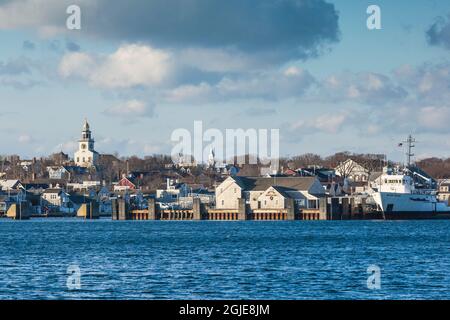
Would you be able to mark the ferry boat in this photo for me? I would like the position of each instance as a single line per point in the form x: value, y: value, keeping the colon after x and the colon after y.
x: 397, y: 198
x: 396, y: 194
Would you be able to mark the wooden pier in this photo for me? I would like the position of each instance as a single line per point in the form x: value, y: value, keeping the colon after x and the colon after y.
x: 329, y: 209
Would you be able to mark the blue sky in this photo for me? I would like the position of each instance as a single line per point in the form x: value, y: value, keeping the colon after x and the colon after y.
x: 310, y: 68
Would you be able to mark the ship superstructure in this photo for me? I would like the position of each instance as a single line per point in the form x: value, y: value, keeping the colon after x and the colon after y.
x: 398, y: 195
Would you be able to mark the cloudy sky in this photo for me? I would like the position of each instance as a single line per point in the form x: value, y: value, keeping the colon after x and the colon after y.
x: 140, y: 69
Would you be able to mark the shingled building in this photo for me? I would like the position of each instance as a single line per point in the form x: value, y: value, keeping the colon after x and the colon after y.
x: 269, y: 193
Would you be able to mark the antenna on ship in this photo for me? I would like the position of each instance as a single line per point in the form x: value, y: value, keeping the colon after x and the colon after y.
x: 409, y: 153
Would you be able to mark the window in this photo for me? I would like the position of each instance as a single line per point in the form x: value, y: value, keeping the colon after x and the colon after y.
x: 223, y: 202
x: 300, y: 202
x: 312, y: 204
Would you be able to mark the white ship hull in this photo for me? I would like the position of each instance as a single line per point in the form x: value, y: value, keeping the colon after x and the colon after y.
x: 409, y: 205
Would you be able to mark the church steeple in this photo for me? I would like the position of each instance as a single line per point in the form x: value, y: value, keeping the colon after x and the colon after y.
x: 85, y: 125
x: 86, y: 156
x: 86, y: 133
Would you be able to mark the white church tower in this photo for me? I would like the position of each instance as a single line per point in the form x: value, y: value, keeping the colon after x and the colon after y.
x: 86, y: 156
x: 211, y: 158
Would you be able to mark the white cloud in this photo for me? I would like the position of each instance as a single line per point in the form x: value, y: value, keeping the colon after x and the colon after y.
x: 130, y: 66
x: 25, y: 138
x: 272, y: 85
x: 364, y: 87
x: 185, y: 93
x: 77, y: 64
x: 133, y: 65
x: 428, y: 83
x: 130, y: 109
x: 328, y: 123
x: 293, y: 71
x: 216, y: 60
x: 435, y: 118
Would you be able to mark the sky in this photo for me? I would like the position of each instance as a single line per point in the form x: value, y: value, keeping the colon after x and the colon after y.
x: 138, y: 70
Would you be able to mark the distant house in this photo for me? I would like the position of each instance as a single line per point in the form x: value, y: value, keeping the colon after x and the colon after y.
x: 76, y: 171
x: 12, y: 184
x: 173, y: 191
x: 224, y: 169
x: 125, y: 184
x: 57, y: 172
x: 55, y: 199
x: 269, y: 193
x: 36, y: 187
x: 60, y: 158
x: 84, y: 186
x: 324, y: 175
x: 352, y: 171
x: 444, y: 190
x: 7, y: 198
x: 104, y: 200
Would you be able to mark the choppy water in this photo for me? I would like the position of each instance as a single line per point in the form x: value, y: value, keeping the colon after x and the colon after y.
x: 224, y: 260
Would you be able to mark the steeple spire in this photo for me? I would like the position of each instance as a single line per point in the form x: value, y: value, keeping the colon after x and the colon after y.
x: 86, y: 133
x: 85, y: 125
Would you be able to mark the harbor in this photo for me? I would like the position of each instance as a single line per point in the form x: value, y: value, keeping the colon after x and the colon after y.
x: 92, y: 185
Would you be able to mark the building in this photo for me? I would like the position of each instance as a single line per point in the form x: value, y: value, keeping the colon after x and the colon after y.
x: 12, y: 184
x: 269, y: 193
x: 125, y: 184
x: 353, y: 171
x: 57, y: 172
x: 84, y: 186
x: 173, y: 191
x: 86, y: 156
x: 444, y: 190
x: 55, y: 197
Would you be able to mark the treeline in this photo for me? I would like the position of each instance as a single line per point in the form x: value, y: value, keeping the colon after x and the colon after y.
x: 436, y: 167
x: 373, y: 162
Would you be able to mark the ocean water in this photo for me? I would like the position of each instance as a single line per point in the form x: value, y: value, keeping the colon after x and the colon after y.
x: 223, y: 260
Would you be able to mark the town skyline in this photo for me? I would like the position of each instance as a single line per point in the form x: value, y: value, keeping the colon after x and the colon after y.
x: 77, y: 147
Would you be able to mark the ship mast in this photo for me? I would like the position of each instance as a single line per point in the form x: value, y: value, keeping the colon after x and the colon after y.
x: 409, y: 153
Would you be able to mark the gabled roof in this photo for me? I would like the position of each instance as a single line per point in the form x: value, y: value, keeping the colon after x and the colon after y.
x: 10, y: 184
x: 78, y: 198
x: 127, y: 181
x: 30, y: 186
x: 53, y: 190
x: 282, y: 191
x: 263, y: 183
x: 375, y: 175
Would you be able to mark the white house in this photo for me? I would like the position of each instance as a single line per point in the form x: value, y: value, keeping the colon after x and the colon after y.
x: 174, y: 190
x: 352, y: 170
x: 269, y: 193
x: 11, y: 184
x: 56, y: 199
x: 57, y: 172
